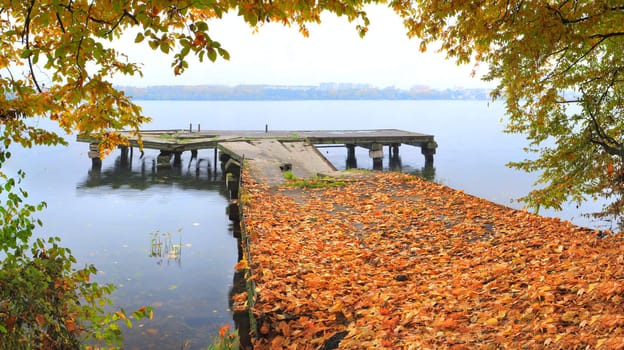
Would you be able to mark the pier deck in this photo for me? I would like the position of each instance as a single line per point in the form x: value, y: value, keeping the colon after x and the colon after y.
x: 186, y: 140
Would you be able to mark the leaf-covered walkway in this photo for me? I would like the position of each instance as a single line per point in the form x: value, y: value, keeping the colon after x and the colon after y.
x: 390, y: 260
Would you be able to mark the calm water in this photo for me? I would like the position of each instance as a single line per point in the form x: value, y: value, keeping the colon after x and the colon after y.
x: 162, y: 235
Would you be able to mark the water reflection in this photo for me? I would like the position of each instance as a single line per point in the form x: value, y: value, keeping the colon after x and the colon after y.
x: 162, y: 248
x: 428, y: 172
x: 146, y: 219
x: 141, y: 173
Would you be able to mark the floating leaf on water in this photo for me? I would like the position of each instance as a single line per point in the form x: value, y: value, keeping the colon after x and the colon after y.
x: 188, y: 245
x: 173, y: 287
x: 196, y: 224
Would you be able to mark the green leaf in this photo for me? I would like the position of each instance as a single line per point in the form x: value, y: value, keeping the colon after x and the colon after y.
x: 139, y: 38
x: 164, y: 47
x: 212, y: 54
x: 224, y: 54
x: 201, y: 26
x: 185, y: 51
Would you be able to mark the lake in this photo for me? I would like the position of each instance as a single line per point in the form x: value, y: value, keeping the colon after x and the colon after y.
x: 162, y: 235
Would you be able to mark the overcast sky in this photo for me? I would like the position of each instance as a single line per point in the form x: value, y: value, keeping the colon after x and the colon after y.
x: 332, y: 53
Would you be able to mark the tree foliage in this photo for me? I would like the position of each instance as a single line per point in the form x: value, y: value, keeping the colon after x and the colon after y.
x: 58, y: 58
x: 559, y: 67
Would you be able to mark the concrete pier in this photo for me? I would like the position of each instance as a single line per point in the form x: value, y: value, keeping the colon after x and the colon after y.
x: 171, y: 143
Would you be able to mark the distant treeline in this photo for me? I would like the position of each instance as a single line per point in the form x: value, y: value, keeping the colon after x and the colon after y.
x: 321, y: 92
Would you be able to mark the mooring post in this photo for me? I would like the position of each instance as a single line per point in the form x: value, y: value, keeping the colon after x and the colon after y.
x: 191, y: 127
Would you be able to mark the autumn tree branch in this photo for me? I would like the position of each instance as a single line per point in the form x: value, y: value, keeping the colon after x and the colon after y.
x: 121, y: 18
x: 60, y: 22
x: 27, y: 42
x: 609, y: 144
x: 574, y: 62
x: 607, y: 35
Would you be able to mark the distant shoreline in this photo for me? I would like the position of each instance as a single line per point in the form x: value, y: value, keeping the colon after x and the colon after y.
x: 322, y: 92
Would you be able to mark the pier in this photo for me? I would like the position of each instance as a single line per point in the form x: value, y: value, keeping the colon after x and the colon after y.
x: 252, y: 158
x: 272, y: 151
x: 388, y: 260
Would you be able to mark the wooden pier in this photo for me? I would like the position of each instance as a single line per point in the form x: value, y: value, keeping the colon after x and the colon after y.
x: 276, y: 150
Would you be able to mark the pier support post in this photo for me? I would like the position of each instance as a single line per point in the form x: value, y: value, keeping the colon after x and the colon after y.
x: 215, y: 161
x: 376, y: 152
x: 428, y: 150
x: 351, y: 159
x: 177, y: 159
x: 94, y: 155
x: 394, y: 162
x: 394, y: 149
x: 223, y: 157
x: 123, y: 159
x: 232, y: 175
x: 164, y: 158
